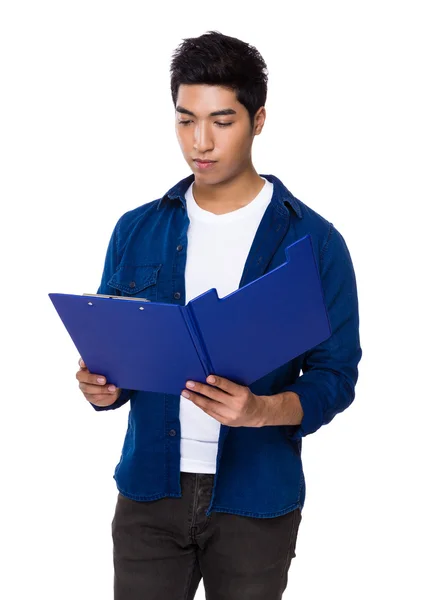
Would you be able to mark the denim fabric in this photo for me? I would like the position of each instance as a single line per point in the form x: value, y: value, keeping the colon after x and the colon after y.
x: 259, y: 470
x: 164, y: 548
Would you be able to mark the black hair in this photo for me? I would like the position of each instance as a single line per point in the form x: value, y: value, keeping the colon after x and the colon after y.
x: 217, y: 59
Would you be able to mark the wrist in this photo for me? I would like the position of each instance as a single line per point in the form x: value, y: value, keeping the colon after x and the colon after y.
x: 281, y: 409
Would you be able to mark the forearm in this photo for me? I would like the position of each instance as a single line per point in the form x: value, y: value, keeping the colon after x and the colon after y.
x: 281, y: 409
x: 330, y: 369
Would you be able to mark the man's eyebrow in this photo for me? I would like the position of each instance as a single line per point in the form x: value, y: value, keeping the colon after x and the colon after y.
x: 224, y: 111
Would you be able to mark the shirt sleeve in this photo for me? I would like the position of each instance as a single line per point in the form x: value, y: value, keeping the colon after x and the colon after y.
x: 111, y: 262
x: 330, y: 370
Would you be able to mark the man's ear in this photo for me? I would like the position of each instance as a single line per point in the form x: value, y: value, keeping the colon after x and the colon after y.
x: 259, y: 120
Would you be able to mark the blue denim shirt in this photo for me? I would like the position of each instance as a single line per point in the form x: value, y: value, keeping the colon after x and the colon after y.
x: 258, y: 470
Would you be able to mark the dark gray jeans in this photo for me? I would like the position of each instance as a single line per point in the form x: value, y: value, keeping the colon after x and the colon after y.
x: 163, y: 548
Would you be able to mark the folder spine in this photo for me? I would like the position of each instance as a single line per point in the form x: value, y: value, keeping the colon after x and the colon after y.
x: 197, y: 339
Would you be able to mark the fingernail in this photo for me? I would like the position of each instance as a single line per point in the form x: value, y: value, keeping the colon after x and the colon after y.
x: 100, y: 379
x: 190, y: 384
x: 111, y: 388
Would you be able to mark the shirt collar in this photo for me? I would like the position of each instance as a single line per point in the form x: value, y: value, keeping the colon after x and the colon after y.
x: 281, y: 195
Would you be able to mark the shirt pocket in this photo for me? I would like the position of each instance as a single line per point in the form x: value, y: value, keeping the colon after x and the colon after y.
x: 136, y: 280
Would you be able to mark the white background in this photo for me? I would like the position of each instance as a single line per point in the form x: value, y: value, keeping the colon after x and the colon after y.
x: 87, y: 133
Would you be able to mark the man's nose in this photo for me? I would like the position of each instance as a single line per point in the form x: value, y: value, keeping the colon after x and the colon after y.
x: 202, y: 137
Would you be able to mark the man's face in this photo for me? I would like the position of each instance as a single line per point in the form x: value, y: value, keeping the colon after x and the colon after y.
x: 225, y: 138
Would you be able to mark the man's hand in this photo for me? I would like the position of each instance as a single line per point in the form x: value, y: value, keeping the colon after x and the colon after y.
x: 94, y: 387
x: 229, y: 403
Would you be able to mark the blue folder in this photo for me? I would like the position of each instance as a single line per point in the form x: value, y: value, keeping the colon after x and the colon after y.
x: 157, y: 347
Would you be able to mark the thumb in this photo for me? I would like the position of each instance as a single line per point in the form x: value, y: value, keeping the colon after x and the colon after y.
x: 82, y: 364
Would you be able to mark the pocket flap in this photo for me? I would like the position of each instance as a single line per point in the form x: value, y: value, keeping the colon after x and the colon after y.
x: 132, y: 279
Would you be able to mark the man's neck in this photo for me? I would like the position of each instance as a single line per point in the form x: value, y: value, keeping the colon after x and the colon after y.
x: 229, y: 195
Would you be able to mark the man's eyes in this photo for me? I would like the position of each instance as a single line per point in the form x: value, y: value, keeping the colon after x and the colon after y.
x: 217, y: 123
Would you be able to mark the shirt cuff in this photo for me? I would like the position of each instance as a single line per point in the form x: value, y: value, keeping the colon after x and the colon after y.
x: 312, y: 410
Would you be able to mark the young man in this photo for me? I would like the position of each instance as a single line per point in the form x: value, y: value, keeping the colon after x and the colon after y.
x: 210, y: 482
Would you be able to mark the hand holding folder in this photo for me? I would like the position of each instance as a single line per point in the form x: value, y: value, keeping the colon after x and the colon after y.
x: 157, y: 347
x: 95, y: 387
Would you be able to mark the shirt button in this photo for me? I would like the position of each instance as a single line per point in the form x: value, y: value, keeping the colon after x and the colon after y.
x: 179, y: 247
x: 132, y: 284
x: 172, y: 432
x: 177, y: 295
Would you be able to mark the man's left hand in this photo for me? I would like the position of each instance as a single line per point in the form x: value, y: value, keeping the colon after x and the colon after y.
x: 229, y: 403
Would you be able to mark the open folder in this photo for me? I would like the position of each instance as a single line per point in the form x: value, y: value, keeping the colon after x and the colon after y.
x: 157, y: 347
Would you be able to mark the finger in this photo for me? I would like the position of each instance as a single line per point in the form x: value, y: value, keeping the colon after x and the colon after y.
x: 208, y: 391
x: 203, y: 402
x: 101, y: 399
x: 87, y: 388
x: 230, y: 387
x: 211, y: 407
x: 81, y: 363
x: 92, y: 378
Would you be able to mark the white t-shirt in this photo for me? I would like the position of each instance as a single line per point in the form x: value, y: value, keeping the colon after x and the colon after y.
x: 218, y: 246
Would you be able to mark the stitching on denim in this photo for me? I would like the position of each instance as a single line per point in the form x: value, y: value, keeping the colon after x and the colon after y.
x: 330, y: 231
x: 264, y: 237
x: 245, y: 513
x: 156, y: 266
x: 176, y: 265
x: 173, y: 278
x: 117, y: 285
x: 302, y: 482
x: 125, y: 288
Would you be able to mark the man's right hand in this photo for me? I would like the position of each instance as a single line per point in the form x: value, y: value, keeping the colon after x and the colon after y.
x: 95, y: 387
